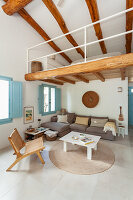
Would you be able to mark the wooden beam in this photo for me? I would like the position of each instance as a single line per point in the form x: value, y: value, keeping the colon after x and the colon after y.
x: 115, y: 62
x: 123, y: 74
x: 129, y: 21
x: 81, y: 78
x: 13, y: 6
x: 65, y: 80
x: 24, y: 14
x: 58, y: 17
x: 53, y: 81
x: 94, y: 13
x: 99, y: 76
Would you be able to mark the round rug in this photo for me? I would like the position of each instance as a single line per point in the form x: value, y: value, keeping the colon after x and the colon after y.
x: 75, y: 159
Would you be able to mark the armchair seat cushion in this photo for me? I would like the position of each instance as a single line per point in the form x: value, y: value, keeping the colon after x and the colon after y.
x: 78, y: 127
x: 56, y: 126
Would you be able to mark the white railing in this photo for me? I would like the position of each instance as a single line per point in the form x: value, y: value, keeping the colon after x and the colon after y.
x: 85, y: 39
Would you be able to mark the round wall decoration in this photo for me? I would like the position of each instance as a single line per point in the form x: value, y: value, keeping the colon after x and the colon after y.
x: 90, y: 99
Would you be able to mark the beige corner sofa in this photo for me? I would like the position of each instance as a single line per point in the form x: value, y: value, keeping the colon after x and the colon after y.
x: 65, y: 128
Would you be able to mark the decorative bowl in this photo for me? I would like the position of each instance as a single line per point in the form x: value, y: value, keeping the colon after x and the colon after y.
x: 75, y: 137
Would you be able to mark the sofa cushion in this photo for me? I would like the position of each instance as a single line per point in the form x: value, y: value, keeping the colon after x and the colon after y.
x: 56, y: 126
x: 78, y: 127
x: 82, y: 120
x: 98, y: 122
x: 93, y: 129
x: 54, y: 119
x: 107, y: 136
x: 89, y: 118
x: 62, y: 118
x: 70, y: 117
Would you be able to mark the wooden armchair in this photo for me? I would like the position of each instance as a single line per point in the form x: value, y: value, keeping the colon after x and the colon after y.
x: 34, y: 146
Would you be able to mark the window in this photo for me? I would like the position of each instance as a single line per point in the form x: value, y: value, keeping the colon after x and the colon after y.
x: 52, y: 99
x: 10, y: 99
x: 49, y: 99
x: 46, y: 99
x: 5, y: 100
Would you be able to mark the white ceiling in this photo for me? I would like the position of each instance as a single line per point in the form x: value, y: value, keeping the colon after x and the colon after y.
x: 76, y: 15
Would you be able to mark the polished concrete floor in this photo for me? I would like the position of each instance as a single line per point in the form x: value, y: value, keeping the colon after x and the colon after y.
x: 30, y: 180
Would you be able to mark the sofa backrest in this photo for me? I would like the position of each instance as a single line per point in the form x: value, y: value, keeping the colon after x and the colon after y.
x: 73, y: 118
x: 112, y: 120
x: 70, y: 117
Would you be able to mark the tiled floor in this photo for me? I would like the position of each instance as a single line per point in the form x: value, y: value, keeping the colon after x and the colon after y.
x: 31, y: 180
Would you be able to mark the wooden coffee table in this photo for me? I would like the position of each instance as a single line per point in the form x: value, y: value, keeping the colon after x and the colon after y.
x: 68, y: 139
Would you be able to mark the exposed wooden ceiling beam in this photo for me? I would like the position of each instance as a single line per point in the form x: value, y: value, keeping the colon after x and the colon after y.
x: 129, y: 21
x: 81, y: 78
x: 13, y: 6
x: 24, y: 14
x: 123, y: 74
x: 53, y: 81
x: 115, y: 62
x: 99, y: 76
x: 94, y: 13
x: 65, y: 80
x: 58, y: 17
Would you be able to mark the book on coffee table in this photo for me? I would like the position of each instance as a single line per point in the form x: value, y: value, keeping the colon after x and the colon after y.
x: 87, y: 140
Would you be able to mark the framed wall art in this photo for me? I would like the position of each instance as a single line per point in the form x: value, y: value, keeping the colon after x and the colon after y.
x: 28, y: 114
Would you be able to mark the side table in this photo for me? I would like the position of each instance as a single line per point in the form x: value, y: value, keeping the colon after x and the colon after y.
x: 121, y: 130
x: 34, y: 134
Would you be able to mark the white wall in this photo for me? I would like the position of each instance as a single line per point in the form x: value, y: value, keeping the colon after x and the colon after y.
x: 109, y: 102
x: 15, y: 37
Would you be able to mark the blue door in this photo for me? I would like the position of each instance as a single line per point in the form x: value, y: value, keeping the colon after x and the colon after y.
x: 130, y: 106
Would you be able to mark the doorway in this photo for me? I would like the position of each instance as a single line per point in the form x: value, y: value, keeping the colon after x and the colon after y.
x: 130, y: 106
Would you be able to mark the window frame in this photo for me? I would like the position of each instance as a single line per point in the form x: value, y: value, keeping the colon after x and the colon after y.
x: 49, y: 112
x: 9, y: 119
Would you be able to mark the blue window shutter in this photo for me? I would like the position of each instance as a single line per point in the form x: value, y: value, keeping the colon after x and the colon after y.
x: 58, y: 99
x: 41, y: 99
x: 16, y: 99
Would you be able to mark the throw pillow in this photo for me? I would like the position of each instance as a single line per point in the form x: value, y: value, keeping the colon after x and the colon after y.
x: 70, y: 118
x: 82, y: 120
x: 62, y: 118
x: 54, y: 119
x: 98, y: 122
